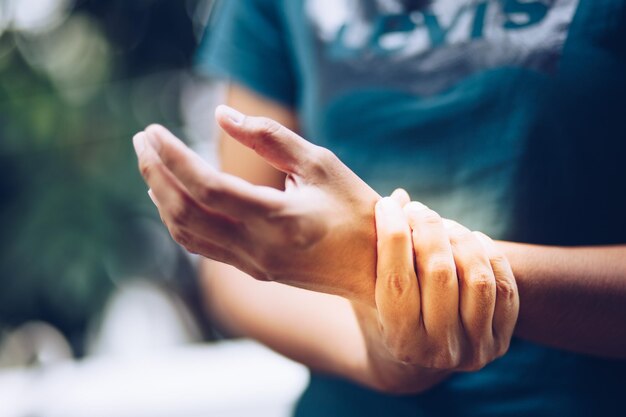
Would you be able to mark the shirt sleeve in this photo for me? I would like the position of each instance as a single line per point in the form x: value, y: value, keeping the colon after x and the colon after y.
x: 246, y: 43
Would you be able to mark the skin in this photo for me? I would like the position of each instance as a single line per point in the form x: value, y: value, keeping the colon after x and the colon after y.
x: 334, y: 335
x: 272, y: 235
x: 456, y: 311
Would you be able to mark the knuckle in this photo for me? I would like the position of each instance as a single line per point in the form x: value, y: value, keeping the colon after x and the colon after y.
x: 474, y: 364
x: 399, y: 345
x: 481, y: 275
x: 475, y: 358
x: 488, y: 246
x: 210, y: 194
x: 145, y: 169
x: 149, y: 168
x: 181, y: 237
x: 481, y: 281
x: 180, y: 214
x: 499, y: 260
x: 506, y: 291
x: 400, y: 354
x: 441, y: 353
x: 325, y: 155
x: 480, y: 234
x: 268, y: 128
x: 502, y: 347
x: 431, y: 217
x: 396, y: 282
x: 397, y: 237
x: 209, y: 191
x: 441, y: 270
x: 445, y: 358
x: 320, y: 160
x: 460, y: 236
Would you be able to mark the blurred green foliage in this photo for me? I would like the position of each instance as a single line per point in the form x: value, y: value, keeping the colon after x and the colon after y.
x: 73, y: 208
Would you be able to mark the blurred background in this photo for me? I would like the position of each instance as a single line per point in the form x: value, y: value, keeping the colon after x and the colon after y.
x: 99, y: 309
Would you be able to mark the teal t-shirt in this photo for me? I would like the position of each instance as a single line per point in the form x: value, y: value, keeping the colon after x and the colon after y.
x: 506, y: 115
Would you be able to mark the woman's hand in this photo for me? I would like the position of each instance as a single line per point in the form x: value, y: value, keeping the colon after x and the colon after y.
x: 318, y: 234
x: 457, y: 313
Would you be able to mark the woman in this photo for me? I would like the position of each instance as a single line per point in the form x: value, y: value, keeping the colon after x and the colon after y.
x: 503, y: 115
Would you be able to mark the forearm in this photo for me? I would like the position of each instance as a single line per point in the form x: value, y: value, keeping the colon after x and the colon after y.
x: 321, y: 331
x: 317, y: 330
x: 572, y: 298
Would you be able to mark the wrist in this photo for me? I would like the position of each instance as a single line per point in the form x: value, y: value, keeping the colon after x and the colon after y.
x: 407, y: 379
x: 383, y: 372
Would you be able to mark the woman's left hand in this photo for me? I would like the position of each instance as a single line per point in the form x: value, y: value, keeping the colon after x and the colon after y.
x: 446, y: 298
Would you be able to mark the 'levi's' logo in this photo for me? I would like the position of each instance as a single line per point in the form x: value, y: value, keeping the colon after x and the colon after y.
x: 450, y: 37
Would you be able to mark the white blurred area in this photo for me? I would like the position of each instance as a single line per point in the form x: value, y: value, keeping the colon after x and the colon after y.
x: 34, y: 16
x: 145, y: 361
x: 145, y: 356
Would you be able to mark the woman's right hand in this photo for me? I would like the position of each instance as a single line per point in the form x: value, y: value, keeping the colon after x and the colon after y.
x: 317, y: 234
x: 446, y: 298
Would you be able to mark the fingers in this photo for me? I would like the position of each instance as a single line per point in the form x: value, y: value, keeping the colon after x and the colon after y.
x: 477, y: 289
x: 222, y: 193
x: 397, y: 293
x: 436, y: 273
x: 507, y: 296
x: 279, y: 146
x: 401, y: 197
x: 180, y: 212
x: 468, y: 298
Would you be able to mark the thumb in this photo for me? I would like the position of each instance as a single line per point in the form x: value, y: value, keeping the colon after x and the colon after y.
x: 279, y: 146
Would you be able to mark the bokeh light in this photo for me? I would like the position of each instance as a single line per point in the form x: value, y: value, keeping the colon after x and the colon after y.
x: 36, y: 16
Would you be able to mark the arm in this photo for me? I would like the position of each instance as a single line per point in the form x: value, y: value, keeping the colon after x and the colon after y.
x: 571, y: 298
x: 322, y: 196
x: 316, y: 329
x: 322, y: 331
x: 325, y: 332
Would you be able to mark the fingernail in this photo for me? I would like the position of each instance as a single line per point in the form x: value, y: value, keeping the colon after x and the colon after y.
x: 401, y: 196
x: 152, y: 197
x: 139, y: 143
x: 232, y: 114
x: 154, y: 141
x: 415, y: 206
